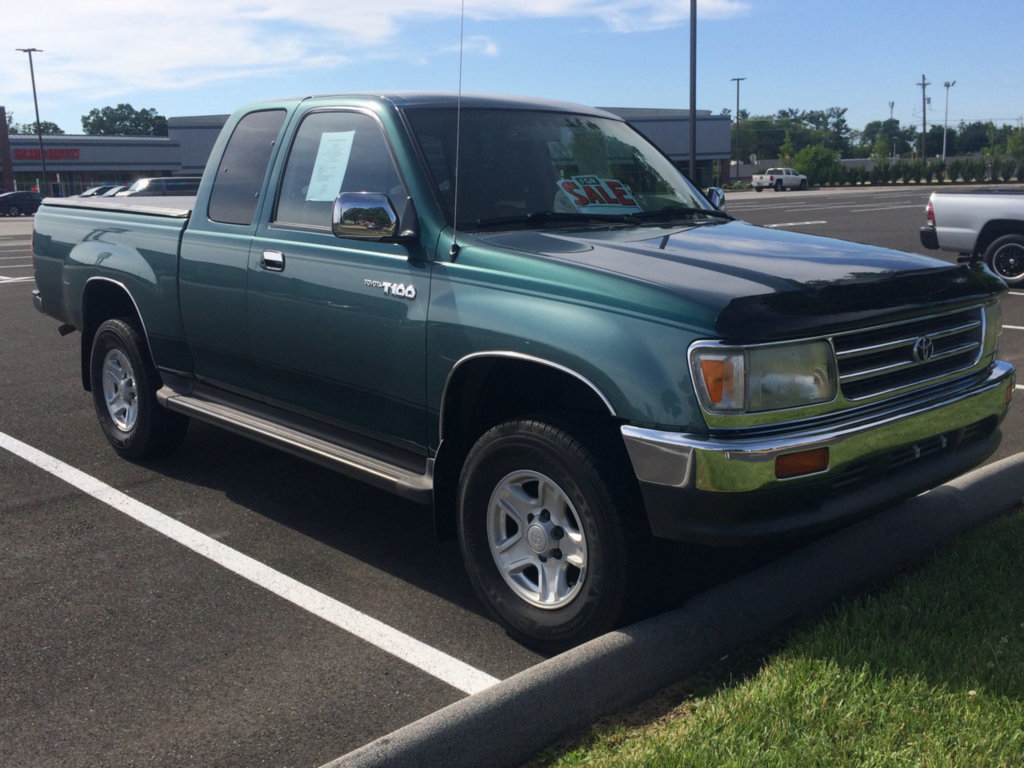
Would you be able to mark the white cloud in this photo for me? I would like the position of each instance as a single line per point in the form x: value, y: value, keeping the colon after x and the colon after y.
x: 103, y: 49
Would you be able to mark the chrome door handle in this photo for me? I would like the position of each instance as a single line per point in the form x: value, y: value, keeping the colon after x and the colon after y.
x: 272, y: 261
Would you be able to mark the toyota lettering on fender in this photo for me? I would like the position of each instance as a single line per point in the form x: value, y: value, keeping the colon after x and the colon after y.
x: 520, y: 315
x: 400, y: 290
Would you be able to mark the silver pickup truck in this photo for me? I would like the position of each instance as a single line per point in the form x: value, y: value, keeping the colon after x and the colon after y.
x: 986, y: 224
x: 778, y: 179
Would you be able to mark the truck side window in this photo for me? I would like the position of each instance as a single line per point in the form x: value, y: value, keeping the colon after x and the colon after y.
x: 236, y: 189
x: 334, y: 152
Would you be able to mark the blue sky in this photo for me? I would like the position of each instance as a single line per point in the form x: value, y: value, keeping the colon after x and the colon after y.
x: 194, y: 57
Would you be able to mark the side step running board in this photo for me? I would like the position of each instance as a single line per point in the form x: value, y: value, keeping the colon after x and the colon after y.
x: 377, y: 472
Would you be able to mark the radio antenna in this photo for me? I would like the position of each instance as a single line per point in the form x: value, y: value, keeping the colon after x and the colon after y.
x: 458, y: 136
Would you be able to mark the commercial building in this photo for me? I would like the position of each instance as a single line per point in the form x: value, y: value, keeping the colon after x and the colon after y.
x: 75, y: 163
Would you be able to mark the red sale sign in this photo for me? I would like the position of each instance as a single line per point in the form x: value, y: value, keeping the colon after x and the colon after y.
x: 592, y: 194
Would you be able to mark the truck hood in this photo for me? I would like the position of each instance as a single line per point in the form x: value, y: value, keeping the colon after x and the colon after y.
x: 761, y: 283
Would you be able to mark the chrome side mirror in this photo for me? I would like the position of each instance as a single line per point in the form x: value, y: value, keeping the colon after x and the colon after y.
x: 715, y: 196
x: 371, y: 216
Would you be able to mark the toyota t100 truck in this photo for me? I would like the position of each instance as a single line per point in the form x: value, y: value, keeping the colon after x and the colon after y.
x: 520, y: 314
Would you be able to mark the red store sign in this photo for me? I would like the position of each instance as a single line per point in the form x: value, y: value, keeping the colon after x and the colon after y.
x: 54, y: 153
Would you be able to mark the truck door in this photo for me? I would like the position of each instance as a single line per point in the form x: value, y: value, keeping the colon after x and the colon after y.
x: 215, y: 252
x: 337, y: 327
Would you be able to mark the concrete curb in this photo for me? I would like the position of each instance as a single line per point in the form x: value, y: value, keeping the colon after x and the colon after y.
x: 509, y: 723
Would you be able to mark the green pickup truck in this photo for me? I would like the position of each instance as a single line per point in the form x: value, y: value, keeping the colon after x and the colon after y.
x: 521, y: 315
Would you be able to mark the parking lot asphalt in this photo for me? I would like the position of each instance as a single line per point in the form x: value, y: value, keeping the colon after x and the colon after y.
x: 510, y: 722
x: 161, y: 659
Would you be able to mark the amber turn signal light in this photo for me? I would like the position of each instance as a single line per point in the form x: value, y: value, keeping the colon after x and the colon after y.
x: 803, y: 463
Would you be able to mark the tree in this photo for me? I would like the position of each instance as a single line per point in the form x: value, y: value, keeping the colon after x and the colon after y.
x: 820, y: 164
x: 47, y: 128
x: 881, y: 150
x: 787, y: 150
x: 1015, y: 147
x: 972, y: 138
x: 124, y: 120
x: 888, y: 132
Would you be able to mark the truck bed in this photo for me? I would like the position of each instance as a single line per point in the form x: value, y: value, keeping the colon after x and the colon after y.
x: 125, y: 241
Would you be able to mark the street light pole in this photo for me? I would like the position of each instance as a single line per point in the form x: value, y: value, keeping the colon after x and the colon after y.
x: 693, y: 93
x: 737, y: 81
x: 949, y: 84
x: 35, y: 100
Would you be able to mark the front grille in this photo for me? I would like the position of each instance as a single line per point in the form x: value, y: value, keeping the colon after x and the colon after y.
x: 897, y: 356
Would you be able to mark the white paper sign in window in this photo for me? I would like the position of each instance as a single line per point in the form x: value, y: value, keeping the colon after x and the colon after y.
x: 331, y: 163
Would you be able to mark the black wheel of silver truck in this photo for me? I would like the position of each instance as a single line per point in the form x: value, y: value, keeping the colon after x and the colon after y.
x: 124, y: 384
x: 544, y: 528
x: 1005, y: 257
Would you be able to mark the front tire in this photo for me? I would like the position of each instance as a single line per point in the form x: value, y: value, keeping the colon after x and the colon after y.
x: 546, y: 528
x: 124, y: 383
x: 1005, y: 257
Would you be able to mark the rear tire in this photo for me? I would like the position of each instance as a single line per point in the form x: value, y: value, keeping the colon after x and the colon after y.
x: 548, y: 530
x: 1005, y: 257
x: 124, y: 383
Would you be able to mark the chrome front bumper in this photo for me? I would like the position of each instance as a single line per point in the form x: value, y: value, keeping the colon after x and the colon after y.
x: 685, y: 475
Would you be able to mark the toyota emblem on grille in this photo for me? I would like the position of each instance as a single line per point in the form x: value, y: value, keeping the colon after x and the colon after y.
x: 924, y: 348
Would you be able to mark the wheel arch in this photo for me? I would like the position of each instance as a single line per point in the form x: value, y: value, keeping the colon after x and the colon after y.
x: 104, y: 299
x: 995, y: 229
x: 488, y: 388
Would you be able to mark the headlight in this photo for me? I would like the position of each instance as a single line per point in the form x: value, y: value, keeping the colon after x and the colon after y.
x: 763, y: 378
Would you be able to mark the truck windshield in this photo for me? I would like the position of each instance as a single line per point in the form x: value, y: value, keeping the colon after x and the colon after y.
x: 549, y: 168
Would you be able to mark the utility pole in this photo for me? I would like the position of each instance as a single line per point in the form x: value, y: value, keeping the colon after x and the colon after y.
x: 945, y: 123
x: 693, y: 93
x: 924, y: 116
x: 39, y: 126
x: 737, y: 80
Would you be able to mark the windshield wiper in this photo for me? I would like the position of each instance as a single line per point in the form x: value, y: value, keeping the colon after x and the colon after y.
x: 539, y: 218
x: 542, y: 218
x: 676, y: 212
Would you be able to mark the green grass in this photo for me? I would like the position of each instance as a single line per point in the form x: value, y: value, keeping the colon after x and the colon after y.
x: 927, y: 672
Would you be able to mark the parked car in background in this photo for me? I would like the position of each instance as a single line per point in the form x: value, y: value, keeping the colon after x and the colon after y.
x: 989, y: 225
x: 20, y: 202
x: 778, y: 179
x: 94, y: 191
x: 164, y: 185
x: 116, y: 189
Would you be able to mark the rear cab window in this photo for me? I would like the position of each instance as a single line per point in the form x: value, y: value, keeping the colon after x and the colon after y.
x: 243, y: 167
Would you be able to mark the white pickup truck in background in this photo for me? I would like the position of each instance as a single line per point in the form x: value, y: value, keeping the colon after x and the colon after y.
x: 778, y: 179
x: 985, y: 224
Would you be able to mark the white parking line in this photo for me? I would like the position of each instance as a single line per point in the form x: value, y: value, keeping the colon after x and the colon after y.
x: 426, y: 658
x: 794, y: 224
x: 860, y: 209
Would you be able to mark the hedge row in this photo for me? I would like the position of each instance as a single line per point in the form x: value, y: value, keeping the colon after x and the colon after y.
x: 968, y: 170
